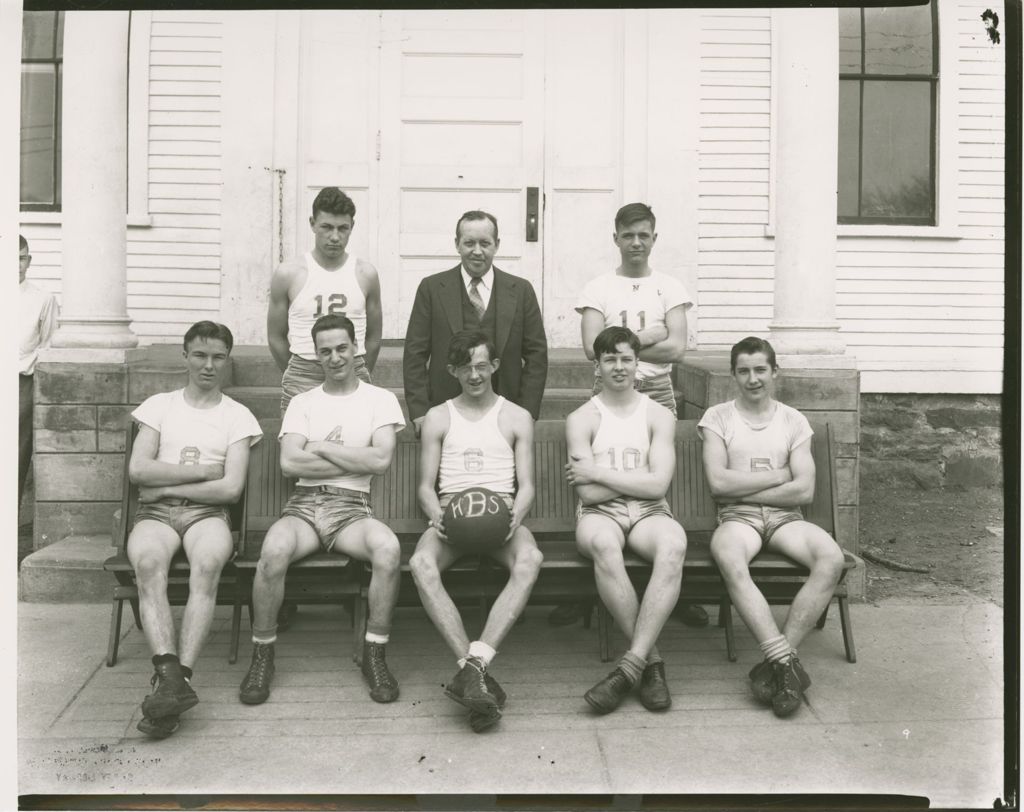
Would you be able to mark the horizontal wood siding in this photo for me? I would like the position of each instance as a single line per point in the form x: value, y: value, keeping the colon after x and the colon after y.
x: 912, y: 305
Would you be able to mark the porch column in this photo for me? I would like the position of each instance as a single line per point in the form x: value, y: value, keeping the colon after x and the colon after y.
x: 95, y: 182
x: 807, y: 106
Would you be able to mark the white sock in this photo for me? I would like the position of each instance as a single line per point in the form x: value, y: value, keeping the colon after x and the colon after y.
x: 377, y: 638
x: 480, y: 649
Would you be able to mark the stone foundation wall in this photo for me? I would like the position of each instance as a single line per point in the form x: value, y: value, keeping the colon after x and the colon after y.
x: 932, y: 441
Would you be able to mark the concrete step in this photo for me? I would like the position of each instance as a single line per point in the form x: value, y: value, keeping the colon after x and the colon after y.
x: 68, y: 571
x: 265, y: 401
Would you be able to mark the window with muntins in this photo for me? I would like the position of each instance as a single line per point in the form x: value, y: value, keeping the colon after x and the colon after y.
x: 888, y: 85
x: 42, y: 57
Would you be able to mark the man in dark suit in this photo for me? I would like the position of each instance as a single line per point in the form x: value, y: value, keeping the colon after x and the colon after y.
x: 474, y: 295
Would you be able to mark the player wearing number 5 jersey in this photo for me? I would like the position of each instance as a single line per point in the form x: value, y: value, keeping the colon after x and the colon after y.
x: 621, y: 448
x: 476, y: 439
x: 326, y: 281
x: 189, y: 462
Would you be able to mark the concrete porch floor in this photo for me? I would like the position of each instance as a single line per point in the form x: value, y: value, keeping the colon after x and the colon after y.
x: 920, y: 713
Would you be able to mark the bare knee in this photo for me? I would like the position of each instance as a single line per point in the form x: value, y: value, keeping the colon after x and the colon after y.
x: 605, y: 550
x: 527, y: 564
x: 830, y: 564
x: 151, y: 571
x: 424, y: 569
x: 205, y: 574
x: 671, y: 553
x: 732, y: 564
x: 274, y: 559
x: 385, y: 553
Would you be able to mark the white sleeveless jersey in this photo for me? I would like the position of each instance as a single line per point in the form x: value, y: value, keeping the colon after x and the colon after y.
x: 326, y: 292
x: 476, y: 454
x: 622, y: 443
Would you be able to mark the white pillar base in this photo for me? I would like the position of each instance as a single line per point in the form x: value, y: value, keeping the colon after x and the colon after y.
x: 806, y: 338
x: 105, y: 332
x: 793, y: 361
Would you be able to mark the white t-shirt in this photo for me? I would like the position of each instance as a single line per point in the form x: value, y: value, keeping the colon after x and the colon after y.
x: 764, y: 447
x: 191, y: 436
x: 37, y: 319
x: 345, y: 419
x: 637, y: 303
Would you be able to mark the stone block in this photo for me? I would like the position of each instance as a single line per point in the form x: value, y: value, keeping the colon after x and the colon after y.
x: 57, y: 520
x: 972, y: 416
x: 923, y: 475
x: 144, y: 381
x: 846, y: 481
x: 819, y: 389
x: 974, y: 471
x: 64, y: 418
x: 856, y: 584
x: 69, y: 441
x: 111, y: 441
x: 847, y: 449
x: 81, y: 383
x: 893, y: 418
x: 845, y: 428
x: 78, y: 477
x: 113, y: 418
x: 69, y: 571
x: 848, y: 528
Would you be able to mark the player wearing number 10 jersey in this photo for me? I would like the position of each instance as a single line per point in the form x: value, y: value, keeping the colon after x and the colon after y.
x: 326, y: 281
x: 621, y: 448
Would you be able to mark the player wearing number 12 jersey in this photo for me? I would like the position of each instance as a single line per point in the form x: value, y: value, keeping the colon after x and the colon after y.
x: 326, y: 281
x: 621, y: 448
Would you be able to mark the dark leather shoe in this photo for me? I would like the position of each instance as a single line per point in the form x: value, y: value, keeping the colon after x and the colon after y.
x: 255, y: 688
x: 383, y: 685
x: 609, y: 692
x: 790, y: 683
x: 762, y: 681
x: 654, y: 693
x: 171, y: 695
x: 158, y: 728
x: 692, y: 614
x: 495, y: 690
x: 469, y: 688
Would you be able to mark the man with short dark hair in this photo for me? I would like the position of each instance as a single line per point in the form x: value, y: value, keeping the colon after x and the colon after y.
x: 475, y: 295
x: 477, y: 439
x: 189, y: 462
x: 758, y: 463
x: 622, y: 457
x: 37, y: 311
x: 334, y: 438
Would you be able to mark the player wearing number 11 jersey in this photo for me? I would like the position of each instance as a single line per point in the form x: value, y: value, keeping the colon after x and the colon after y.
x: 621, y: 448
x: 326, y: 281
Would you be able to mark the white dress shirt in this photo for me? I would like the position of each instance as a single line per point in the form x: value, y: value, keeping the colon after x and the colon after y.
x: 484, y: 288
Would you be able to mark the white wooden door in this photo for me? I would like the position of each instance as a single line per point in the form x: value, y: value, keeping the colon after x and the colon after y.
x: 461, y: 123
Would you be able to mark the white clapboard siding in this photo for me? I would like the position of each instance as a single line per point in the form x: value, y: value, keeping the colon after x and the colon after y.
x: 907, y: 304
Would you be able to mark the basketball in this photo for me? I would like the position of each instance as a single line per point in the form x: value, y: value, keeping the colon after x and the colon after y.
x: 477, y: 519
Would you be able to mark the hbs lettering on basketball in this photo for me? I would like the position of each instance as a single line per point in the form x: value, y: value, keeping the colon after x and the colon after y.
x: 474, y: 504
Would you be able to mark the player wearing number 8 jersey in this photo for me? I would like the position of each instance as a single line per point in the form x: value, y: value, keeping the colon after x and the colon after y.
x: 325, y: 281
x: 476, y: 439
x: 621, y: 448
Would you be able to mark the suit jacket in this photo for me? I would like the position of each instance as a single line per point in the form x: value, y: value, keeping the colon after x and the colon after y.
x: 519, y: 338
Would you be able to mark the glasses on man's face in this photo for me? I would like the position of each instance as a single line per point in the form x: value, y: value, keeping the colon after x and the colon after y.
x: 24, y: 257
x: 476, y: 369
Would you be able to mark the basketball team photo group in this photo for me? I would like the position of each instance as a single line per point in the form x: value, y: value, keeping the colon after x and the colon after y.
x: 474, y: 368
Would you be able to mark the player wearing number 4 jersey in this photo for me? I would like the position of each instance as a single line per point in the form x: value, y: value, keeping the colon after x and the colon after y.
x: 621, y: 448
x: 326, y: 281
x: 476, y: 439
x: 189, y: 462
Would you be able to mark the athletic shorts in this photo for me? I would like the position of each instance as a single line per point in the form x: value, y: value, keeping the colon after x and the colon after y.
x: 763, y: 518
x: 657, y: 388
x: 328, y: 510
x: 302, y: 375
x: 626, y: 511
x: 180, y: 514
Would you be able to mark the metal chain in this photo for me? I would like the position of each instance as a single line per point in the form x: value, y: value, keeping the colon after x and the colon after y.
x: 280, y: 214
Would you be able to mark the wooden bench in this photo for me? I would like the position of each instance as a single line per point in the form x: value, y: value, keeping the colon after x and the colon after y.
x: 568, y: 576
x: 126, y: 588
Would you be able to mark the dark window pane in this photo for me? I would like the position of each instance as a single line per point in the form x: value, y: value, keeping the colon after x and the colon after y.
x: 60, y: 35
x: 898, y: 40
x: 849, y: 147
x: 37, y: 133
x: 849, y: 40
x: 60, y: 130
x: 897, y: 153
x: 37, y: 35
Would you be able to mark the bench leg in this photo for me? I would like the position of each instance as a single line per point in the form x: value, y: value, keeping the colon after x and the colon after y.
x: 135, y: 611
x: 588, y: 611
x: 844, y: 619
x: 236, y: 630
x: 603, y: 632
x: 725, y: 610
x: 359, y: 632
x: 824, y: 616
x: 115, y: 632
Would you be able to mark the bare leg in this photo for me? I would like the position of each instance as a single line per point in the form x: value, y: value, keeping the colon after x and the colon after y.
x: 151, y: 546
x: 373, y: 541
x: 522, y: 559
x: 662, y: 541
x: 601, y: 540
x: 208, y: 546
x: 432, y: 557
x: 288, y: 540
x: 733, y: 546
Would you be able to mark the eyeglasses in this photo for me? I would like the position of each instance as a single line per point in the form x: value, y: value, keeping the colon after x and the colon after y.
x: 24, y: 257
x: 479, y: 369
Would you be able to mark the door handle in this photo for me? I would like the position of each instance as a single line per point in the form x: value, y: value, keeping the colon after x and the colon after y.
x: 532, y: 212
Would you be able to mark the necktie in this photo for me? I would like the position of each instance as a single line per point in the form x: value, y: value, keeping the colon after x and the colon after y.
x: 475, y: 298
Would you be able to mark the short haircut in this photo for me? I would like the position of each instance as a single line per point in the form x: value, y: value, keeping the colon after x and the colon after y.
x: 331, y: 200
x: 748, y: 346
x: 634, y: 213
x: 208, y: 330
x: 22, y: 243
x: 332, y: 321
x: 609, y: 338
x: 462, y: 344
x: 477, y: 215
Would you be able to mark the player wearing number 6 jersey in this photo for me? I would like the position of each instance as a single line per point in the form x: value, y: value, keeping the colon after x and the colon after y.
x: 476, y: 439
x: 621, y: 448
x: 189, y: 462
x: 325, y: 281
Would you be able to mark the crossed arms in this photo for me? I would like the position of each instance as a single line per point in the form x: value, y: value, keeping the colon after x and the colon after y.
x: 301, y: 457
x: 788, y: 486
x: 658, y: 344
